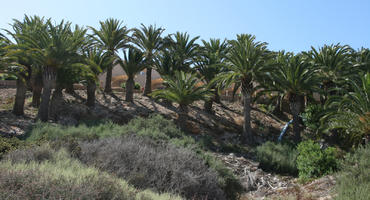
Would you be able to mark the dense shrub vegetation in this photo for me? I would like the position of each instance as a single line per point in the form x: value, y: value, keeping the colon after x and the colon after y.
x: 353, y: 180
x: 42, y: 173
x: 278, y: 157
x: 147, y: 164
x: 313, y: 162
x: 160, y: 130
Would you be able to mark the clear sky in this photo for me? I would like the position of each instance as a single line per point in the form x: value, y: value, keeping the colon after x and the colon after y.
x: 293, y: 25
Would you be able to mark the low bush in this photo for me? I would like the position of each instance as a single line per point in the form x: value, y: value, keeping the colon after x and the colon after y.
x: 145, y: 163
x: 137, y: 86
x: 155, y: 127
x: 353, y: 179
x: 58, y: 176
x: 313, y: 162
x: 278, y: 157
x: 9, y: 144
x: 52, y: 132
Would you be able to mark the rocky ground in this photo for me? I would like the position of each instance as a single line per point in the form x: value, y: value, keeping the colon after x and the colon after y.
x: 224, y: 125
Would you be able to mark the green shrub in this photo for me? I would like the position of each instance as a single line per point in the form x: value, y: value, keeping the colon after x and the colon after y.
x: 52, y: 132
x: 313, y: 162
x: 137, y: 86
x: 9, y: 144
x: 8, y: 77
x: 278, y: 157
x: 58, y: 176
x: 353, y: 179
x: 155, y: 127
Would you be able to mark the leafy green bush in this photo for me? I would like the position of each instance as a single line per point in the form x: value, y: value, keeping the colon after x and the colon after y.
x: 313, y: 162
x: 353, y: 180
x: 58, y: 176
x: 278, y: 157
x: 8, y: 77
x: 9, y: 144
x: 137, y: 86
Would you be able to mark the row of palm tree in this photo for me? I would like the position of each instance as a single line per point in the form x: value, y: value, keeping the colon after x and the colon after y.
x: 60, y: 55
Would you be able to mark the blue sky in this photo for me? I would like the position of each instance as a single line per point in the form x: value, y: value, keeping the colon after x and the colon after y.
x: 293, y: 25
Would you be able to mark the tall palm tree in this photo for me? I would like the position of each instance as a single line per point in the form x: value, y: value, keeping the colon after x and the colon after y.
x: 295, y: 78
x: 247, y: 60
x: 182, y: 88
x: 133, y: 62
x: 210, y: 63
x: 54, y: 48
x: 149, y: 40
x: 184, y: 49
x: 111, y: 36
x: 334, y: 63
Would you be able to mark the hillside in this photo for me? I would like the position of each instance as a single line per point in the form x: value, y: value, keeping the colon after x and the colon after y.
x: 222, y: 128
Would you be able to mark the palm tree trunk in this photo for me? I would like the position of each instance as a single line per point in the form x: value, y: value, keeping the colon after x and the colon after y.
x: 148, y: 81
x: 91, y: 87
x: 217, y: 98
x: 36, y: 82
x: 49, y: 77
x: 296, y: 103
x: 130, y: 89
x: 182, y: 116
x: 247, y: 130
x: 108, y: 80
x: 20, y: 97
x: 208, y: 106
x: 56, y: 101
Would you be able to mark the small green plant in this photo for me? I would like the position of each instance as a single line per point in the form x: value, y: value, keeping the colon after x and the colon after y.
x: 137, y: 86
x: 9, y: 144
x: 278, y: 157
x: 314, y: 162
x: 354, y: 169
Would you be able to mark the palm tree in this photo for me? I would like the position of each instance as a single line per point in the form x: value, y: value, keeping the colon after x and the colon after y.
x: 295, y: 78
x: 362, y: 60
x: 133, y: 62
x: 350, y: 113
x: 23, y: 65
x: 247, y: 61
x: 183, y: 49
x: 54, y: 48
x: 334, y: 63
x: 149, y: 40
x: 182, y: 88
x: 95, y: 62
x: 210, y: 63
x: 111, y: 36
